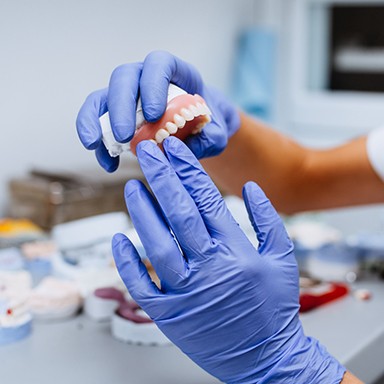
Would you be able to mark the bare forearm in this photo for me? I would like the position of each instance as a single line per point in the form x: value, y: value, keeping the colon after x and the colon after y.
x: 296, y: 178
x: 350, y: 379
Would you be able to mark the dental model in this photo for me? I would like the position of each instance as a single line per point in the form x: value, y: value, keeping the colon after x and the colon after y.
x: 54, y: 298
x: 129, y: 323
x: 132, y: 325
x: 185, y: 115
x: 15, y: 318
x: 101, y: 304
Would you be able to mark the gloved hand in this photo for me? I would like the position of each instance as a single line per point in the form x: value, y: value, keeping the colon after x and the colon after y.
x: 231, y: 308
x: 150, y: 79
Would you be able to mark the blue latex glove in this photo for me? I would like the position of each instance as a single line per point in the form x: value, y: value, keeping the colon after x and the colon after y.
x: 231, y: 308
x: 151, y: 79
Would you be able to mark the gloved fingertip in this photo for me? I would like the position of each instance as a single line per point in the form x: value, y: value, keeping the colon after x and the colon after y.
x: 118, y: 238
x: 173, y: 145
x: 92, y: 145
x: 252, y: 191
x: 90, y: 138
x: 111, y: 167
x: 109, y: 164
x: 194, y: 144
x: 210, y: 142
x: 254, y: 199
x: 153, y: 114
x: 146, y: 147
x: 123, y: 134
x: 131, y: 187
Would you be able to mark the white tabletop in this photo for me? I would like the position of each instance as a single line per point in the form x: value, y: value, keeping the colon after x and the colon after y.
x: 353, y: 331
x: 82, y: 351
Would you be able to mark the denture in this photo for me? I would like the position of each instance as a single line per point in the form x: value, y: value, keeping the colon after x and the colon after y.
x: 185, y: 115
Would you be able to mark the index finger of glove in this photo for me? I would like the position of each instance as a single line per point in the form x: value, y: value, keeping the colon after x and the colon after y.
x: 177, y: 205
x: 199, y: 185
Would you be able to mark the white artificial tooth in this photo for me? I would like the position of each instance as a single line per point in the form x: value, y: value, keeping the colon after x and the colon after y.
x: 153, y: 141
x: 179, y: 120
x: 206, y: 109
x: 201, y: 109
x: 187, y: 114
x: 194, y: 110
x: 171, y: 127
x: 161, y: 134
x: 199, y: 128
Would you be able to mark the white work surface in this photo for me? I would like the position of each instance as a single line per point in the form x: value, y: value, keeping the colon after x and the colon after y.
x: 353, y: 331
x: 81, y: 351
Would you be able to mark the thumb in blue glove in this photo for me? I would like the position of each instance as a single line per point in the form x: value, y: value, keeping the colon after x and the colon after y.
x: 231, y: 308
x: 151, y: 80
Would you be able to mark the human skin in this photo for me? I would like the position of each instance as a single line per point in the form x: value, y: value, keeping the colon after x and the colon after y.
x: 350, y: 379
x: 294, y: 177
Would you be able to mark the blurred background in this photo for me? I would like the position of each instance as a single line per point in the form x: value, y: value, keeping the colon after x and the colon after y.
x: 283, y: 61
x: 313, y: 69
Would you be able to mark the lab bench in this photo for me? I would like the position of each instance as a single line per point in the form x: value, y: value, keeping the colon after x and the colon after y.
x: 353, y: 331
x: 82, y: 351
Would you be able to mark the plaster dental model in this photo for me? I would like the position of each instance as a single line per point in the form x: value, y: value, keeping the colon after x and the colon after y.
x: 55, y: 299
x: 185, y: 115
x: 15, y: 319
x: 101, y: 304
x: 129, y: 323
x: 132, y: 325
x: 38, y: 258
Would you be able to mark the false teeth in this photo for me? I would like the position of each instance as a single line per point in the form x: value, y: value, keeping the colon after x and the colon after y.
x: 161, y: 134
x: 179, y: 120
x: 203, y: 108
x: 194, y: 110
x: 171, y: 127
x: 187, y: 114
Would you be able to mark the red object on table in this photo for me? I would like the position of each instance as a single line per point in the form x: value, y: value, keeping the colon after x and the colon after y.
x: 310, y: 300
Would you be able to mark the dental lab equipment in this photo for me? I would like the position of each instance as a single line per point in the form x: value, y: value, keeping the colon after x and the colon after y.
x: 49, y: 198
